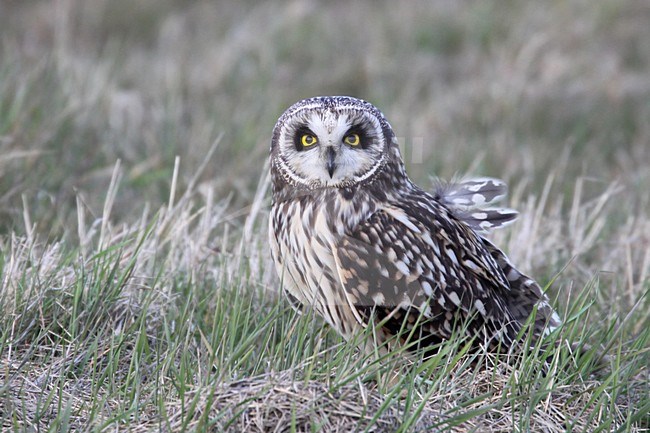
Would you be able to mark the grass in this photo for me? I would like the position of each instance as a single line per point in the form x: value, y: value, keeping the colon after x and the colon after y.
x: 137, y: 292
x: 134, y: 337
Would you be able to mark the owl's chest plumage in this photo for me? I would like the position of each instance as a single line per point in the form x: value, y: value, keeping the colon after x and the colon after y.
x: 304, y: 233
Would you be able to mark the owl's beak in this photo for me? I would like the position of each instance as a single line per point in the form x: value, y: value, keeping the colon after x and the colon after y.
x: 331, y: 164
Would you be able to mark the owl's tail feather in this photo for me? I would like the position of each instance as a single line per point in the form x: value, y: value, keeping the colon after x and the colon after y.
x: 527, y: 297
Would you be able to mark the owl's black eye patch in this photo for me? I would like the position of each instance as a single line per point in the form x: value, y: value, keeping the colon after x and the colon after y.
x: 304, y: 139
x: 365, y: 139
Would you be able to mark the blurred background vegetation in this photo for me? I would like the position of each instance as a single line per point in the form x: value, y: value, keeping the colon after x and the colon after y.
x: 517, y: 90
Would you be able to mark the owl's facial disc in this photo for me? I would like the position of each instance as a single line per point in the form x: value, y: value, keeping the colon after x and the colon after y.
x: 331, y: 147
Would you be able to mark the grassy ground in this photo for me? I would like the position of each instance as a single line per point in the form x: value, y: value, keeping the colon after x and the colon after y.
x: 136, y: 290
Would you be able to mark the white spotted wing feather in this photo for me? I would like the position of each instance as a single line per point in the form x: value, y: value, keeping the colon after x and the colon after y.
x: 468, y: 199
x: 422, y: 259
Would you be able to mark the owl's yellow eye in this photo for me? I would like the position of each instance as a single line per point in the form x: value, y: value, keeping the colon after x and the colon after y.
x: 352, y: 139
x: 308, y: 140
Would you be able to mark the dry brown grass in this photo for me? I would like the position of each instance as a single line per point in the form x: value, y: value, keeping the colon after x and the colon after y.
x: 279, y: 401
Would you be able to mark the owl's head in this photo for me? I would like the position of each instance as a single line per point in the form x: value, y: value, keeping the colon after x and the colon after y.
x: 331, y: 141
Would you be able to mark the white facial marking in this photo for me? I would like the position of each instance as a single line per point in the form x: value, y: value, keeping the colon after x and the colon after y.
x: 309, y: 166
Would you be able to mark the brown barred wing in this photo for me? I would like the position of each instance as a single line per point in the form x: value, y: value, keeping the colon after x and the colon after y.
x: 421, y: 264
x: 468, y: 201
x: 525, y: 296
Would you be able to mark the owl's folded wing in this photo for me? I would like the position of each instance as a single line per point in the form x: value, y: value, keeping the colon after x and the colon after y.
x: 429, y: 263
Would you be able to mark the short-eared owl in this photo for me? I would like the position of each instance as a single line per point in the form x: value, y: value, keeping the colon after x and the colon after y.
x: 355, y: 239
